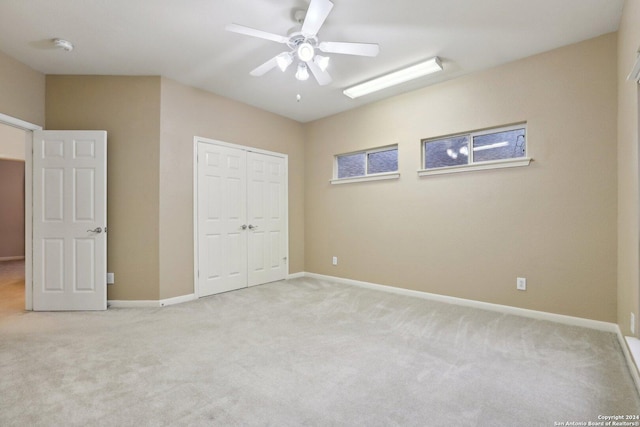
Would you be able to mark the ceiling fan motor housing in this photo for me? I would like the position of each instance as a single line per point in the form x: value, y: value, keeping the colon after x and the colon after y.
x: 304, y: 47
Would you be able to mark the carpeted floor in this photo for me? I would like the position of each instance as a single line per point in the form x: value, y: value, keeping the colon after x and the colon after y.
x: 306, y: 353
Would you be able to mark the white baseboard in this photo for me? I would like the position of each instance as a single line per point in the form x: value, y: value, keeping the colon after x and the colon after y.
x: 151, y: 303
x: 540, y: 315
x: 177, y: 300
x: 11, y: 258
x: 533, y: 314
x: 114, y: 303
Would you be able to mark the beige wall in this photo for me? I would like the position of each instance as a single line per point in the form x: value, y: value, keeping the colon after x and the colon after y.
x: 21, y: 91
x: 128, y: 108
x: 470, y: 235
x: 628, y: 209
x: 11, y: 208
x: 189, y: 112
x: 12, y: 142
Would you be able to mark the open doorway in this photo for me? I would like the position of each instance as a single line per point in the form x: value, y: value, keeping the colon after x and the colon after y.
x: 87, y: 144
x: 12, y: 219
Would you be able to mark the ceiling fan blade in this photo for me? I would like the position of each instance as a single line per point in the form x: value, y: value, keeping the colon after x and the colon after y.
x: 361, y: 49
x: 322, y: 77
x: 261, y: 70
x: 316, y: 15
x: 241, y: 29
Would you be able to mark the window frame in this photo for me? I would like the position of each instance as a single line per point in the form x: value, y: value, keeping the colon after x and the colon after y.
x: 367, y: 176
x: 472, y: 164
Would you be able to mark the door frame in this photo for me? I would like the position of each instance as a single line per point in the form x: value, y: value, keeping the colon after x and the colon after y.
x: 196, y: 141
x: 28, y: 202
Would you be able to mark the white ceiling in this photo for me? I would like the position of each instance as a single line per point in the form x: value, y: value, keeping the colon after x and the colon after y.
x: 185, y: 40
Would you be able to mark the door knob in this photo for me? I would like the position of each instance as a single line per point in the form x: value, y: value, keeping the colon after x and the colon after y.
x: 252, y: 227
x: 96, y: 230
x: 244, y: 226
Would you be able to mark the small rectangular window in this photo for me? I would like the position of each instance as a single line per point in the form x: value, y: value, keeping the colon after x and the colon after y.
x: 507, y: 144
x: 351, y: 165
x: 382, y: 161
x: 445, y: 152
x: 375, y: 163
x: 502, y: 147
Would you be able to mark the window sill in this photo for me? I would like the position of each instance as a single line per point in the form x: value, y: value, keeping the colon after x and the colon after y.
x: 495, y: 164
x: 376, y: 177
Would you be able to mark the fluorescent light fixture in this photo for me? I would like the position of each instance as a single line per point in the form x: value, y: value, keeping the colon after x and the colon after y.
x: 284, y: 60
x: 302, y: 73
x: 430, y: 66
x: 322, y: 62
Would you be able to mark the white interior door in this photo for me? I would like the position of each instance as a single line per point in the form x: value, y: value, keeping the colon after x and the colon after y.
x: 267, y: 260
x: 241, y: 205
x: 222, y: 211
x: 69, y: 220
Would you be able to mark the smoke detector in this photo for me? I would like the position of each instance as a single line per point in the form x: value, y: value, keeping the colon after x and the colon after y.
x: 65, y: 45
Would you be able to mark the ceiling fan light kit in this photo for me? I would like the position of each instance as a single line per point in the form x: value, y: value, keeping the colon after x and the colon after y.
x: 284, y: 60
x: 304, y: 44
x: 413, y: 72
x: 302, y: 73
x: 305, y: 51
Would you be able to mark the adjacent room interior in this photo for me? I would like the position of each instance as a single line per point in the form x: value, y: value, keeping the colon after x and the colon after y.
x: 408, y: 289
x: 12, y: 219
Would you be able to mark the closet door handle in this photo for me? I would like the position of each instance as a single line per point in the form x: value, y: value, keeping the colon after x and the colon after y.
x: 244, y: 226
x: 252, y: 227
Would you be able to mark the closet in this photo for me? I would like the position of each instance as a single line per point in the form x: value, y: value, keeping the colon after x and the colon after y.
x: 241, y: 210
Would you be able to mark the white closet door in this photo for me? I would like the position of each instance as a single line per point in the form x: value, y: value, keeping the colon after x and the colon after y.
x: 222, y: 243
x: 266, y: 204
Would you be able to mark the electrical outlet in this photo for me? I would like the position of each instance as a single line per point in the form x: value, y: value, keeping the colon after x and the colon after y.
x: 111, y: 278
x: 521, y: 284
x: 334, y: 261
x: 633, y: 323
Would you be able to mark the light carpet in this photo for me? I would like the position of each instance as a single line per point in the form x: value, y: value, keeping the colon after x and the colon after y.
x: 306, y: 352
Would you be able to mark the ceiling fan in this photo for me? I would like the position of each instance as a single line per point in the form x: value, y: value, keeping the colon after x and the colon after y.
x: 304, y: 44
